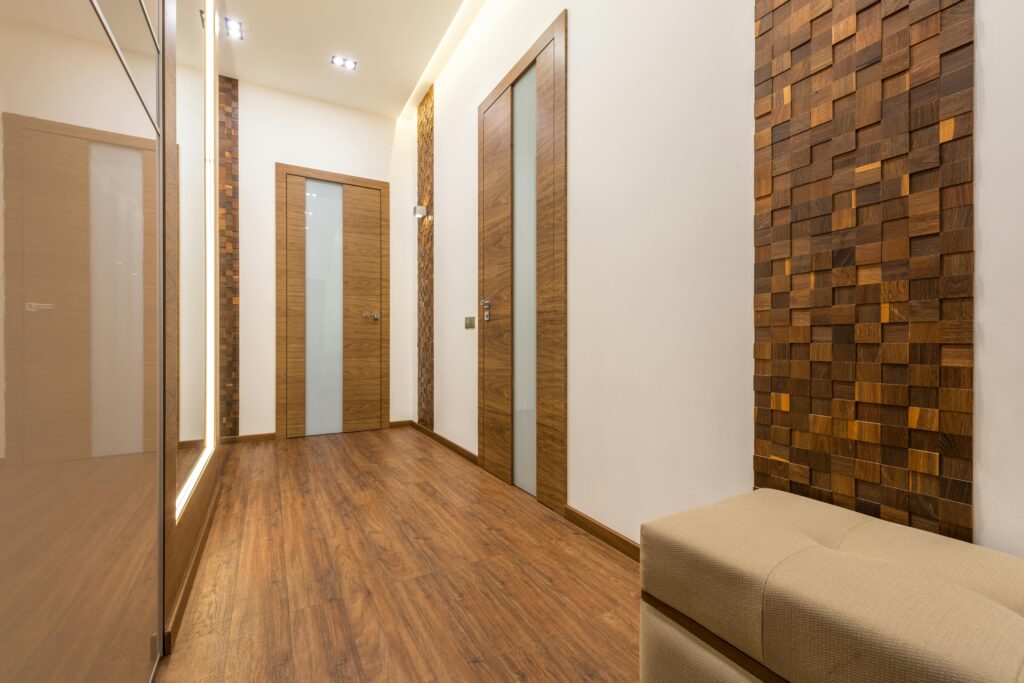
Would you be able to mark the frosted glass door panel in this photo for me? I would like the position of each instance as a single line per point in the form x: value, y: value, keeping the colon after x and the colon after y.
x: 323, y: 308
x: 524, y: 281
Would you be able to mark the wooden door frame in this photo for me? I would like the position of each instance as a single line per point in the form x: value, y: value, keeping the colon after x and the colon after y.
x: 552, y: 303
x: 282, y: 171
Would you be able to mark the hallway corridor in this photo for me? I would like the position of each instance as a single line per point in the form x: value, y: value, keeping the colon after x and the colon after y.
x: 384, y: 556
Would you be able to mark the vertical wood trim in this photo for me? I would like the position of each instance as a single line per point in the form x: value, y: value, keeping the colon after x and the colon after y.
x: 295, y: 299
x: 228, y: 257
x: 171, y: 284
x: 425, y: 260
x: 496, y: 235
x: 549, y: 54
x: 281, y: 301
x: 385, y: 307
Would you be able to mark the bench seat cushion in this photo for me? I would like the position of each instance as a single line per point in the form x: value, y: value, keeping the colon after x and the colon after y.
x: 817, y: 592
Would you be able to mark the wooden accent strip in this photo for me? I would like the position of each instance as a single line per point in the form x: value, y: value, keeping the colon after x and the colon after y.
x: 247, y: 438
x: 738, y: 657
x: 425, y: 259
x: 228, y: 255
x: 451, y: 445
x: 174, y: 617
x: 624, y: 545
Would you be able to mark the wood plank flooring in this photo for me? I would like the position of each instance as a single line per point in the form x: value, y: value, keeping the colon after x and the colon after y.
x: 383, y: 556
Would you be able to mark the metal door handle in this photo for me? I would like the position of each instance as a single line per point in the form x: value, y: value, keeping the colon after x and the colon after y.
x: 486, y: 303
x: 34, y: 307
x: 371, y: 316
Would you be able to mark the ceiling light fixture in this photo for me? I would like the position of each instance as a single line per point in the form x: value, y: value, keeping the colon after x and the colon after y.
x: 344, y: 62
x: 234, y: 28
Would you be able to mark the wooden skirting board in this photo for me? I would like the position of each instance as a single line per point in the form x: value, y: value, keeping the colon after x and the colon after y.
x: 181, y: 601
x: 613, y: 538
x: 440, y: 439
x: 246, y: 438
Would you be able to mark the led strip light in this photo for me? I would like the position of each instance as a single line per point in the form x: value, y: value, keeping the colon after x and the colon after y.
x: 210, y: 183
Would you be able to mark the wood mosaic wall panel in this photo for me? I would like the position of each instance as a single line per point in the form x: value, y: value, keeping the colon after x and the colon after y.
x: 425, y: 258
x: 227, y: 239
x: 864, y: 260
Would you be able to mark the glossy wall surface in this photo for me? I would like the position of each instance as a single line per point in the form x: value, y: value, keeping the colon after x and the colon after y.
x: 79, y: 457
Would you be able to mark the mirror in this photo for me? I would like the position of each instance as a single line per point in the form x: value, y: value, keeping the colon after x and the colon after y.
x: 192, y: 240
x: 80, y: 353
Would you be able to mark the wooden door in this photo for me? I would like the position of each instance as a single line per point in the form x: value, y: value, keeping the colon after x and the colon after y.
x: 364, y: 294
x: 59, y: 336
x: 495, y: 363
x: 48, y: 374
x: 496, y: 239
x: 361, y: 271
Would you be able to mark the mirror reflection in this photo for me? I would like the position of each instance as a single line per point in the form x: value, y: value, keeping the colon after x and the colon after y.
x: 192, y: 238
x: 79, y: 452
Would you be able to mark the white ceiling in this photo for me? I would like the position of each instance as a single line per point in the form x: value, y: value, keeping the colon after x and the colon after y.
x: 288, y: 45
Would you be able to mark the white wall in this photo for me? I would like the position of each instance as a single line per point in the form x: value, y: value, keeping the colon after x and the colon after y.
x: 404, y: 273
x: 660, y: 245
x: 999, y: 277
x: 192, y: 265
x: 277, y: 127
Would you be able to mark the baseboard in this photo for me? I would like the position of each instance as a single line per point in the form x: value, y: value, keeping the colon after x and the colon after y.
x: 193, y: 443
x: 613, y: 538
x: 178, y: 610
x: 246, y: 438
x: 450, y: 445
x: 400, y: 423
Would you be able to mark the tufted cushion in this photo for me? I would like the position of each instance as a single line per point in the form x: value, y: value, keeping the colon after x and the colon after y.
x: 817, y: 592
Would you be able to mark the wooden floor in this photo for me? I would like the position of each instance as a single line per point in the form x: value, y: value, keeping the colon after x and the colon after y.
x: 383, y: 556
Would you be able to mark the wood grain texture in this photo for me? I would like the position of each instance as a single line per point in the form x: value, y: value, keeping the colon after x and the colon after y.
x: 366, y: 269
x: 295, y: 296
x: 450, y: 445
x: 361, y: 292
x: 425, y: 260
x: 613, y: 538
x: 548, y: 55
x: 863, y: 233
x: 496, y: 333
x: 383, y: 556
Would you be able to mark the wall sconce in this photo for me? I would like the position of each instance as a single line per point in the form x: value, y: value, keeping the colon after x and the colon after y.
x: 419, y: 211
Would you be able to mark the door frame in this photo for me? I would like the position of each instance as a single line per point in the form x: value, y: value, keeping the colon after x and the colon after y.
x: 552, y: 300
x: 281, y: 173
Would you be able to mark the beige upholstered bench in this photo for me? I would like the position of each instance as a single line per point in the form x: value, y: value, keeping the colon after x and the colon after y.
x: 773, y: 586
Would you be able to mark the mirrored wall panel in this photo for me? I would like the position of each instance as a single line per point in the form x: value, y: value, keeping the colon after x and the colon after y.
x: 192, y: 241
x: 80, y: 448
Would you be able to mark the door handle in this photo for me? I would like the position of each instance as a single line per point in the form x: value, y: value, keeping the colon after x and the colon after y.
x: 486, y: 304
x: 371, y: 316
x: 34, y: 307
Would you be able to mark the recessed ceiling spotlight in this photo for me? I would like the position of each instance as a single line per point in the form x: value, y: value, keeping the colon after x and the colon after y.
x: 344, y: 62
x: 234, y: 28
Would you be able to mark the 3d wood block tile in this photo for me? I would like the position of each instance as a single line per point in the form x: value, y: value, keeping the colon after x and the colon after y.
x: 864, y: 263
